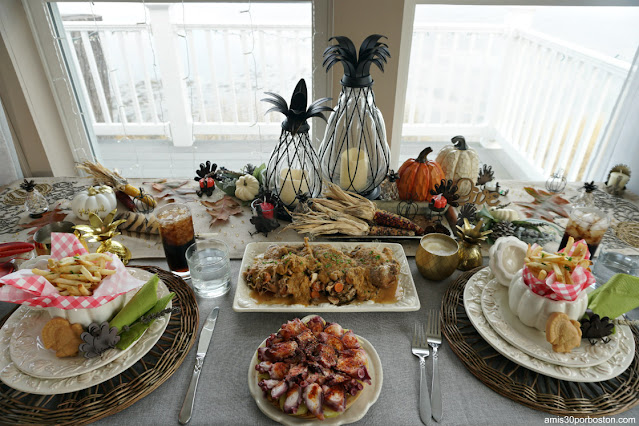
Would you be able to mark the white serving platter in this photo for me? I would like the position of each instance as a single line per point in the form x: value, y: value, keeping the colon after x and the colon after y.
x: 407, y: 298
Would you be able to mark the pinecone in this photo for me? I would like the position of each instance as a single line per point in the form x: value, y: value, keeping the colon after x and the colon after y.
x: 503, y: 229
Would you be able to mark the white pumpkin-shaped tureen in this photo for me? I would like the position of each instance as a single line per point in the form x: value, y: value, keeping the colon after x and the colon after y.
x: 96, y: 199
x: 534, y: 310
x: 507, y: 258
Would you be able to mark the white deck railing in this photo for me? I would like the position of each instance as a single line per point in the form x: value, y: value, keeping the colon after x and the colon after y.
x: 546, y: 99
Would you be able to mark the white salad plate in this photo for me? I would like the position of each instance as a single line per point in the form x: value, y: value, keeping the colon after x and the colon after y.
x: 31, y: 357
x: 90, y: 372
x: 494, y: 304
x: 607, y: 370
x: 355, y: 412
x: 406, y: 296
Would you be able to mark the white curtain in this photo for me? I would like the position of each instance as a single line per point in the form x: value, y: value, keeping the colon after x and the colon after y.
x: 9, y: 166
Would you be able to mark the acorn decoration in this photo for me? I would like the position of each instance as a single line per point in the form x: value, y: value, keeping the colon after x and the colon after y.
x: 594, y: 328
x: 205, y: 177
x: 448, y: 190
x: 388, y: 187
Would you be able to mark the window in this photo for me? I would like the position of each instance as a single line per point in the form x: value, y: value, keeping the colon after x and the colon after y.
x: 531, y: 87
x: 164, y: 87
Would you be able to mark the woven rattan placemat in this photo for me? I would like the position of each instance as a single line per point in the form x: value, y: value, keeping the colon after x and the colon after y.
x: 525, y: 386
x: 121, y: 391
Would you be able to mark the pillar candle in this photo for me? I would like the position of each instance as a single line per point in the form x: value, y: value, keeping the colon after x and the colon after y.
x: 354, y: 170
x: 292, y: 183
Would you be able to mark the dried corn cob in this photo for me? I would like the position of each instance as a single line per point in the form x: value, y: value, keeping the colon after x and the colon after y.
x: 384, y: 218
x: 126, y: 200
x: 362, y: 208
x: 387, y: 231
x: 113, y: 179
x: 137, y: 222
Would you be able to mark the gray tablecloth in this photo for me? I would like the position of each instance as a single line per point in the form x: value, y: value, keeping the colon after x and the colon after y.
x: 223, y: 397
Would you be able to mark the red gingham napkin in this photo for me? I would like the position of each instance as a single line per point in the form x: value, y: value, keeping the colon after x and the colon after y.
x: 556, y: 290
x: 25, y: 288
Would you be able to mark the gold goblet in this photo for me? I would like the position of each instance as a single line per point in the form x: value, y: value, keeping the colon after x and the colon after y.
x: 437, y: 256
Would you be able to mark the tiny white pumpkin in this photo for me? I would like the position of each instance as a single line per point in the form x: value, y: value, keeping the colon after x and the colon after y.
x: 459, y: 161
x: 96, y: 199
x: 504, y: 214
x: 506, y: 258
x: 247, y: 187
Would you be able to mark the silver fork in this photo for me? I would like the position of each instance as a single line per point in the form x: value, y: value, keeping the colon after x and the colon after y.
x: 420, y: 350
x: 434, y: 337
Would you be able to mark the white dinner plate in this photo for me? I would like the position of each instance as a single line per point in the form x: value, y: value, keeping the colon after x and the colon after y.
x: 407, y: 299
x: 613, y: 367
x: 355, y: 412
x: 494, y: 304
x: 31, y: 357
x: 12, y: 376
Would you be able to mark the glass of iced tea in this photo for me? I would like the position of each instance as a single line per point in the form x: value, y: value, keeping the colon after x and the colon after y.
x: 176, y: 230
x: 587, y: 223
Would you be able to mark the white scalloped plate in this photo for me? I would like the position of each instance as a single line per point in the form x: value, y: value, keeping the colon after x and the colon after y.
x: 15, y: 378
x: 407, y: 299
x: 355, y: 412
x: 607, y: 370
x: 31, y: 357
x: 494, y: 304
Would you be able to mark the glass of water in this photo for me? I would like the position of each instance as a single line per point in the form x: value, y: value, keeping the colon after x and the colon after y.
x: 210, y: 268
x: 617, y: 258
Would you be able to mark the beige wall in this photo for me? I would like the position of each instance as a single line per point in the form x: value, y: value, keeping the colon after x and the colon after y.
x: 386, y: 20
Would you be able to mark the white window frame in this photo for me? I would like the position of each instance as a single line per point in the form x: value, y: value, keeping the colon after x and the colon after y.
x: 613, y: 128
x: 60, y: 113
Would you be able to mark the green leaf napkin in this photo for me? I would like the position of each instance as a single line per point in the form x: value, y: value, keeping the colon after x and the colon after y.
x: 618, y: 296
x: 143, y: 300
x: 135, y: 331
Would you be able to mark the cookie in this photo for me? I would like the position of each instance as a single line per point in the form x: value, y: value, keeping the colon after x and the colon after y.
x: 562, y: 333
x: 61, y: 336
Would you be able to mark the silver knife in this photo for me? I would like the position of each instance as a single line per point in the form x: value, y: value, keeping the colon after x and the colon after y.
x: 202, y: 347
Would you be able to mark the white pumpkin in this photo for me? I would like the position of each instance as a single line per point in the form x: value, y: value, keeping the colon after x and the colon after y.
x: 534, y: 310
x: 459, y: 161
x: 506, y: 258
x: 247, y: 187
x: 96, y: 199
x: 504, y: 214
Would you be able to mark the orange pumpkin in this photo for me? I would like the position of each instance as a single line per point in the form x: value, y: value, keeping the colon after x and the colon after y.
x: 418, y: 176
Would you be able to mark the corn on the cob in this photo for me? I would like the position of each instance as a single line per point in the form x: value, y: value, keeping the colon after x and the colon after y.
x: 126, y: 200
x: 393, y: 220
x: 387, y: 231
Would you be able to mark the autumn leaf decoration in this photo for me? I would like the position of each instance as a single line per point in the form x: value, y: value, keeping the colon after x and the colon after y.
x: 172, y: 192
x: 222, y: 209
x: 545, y: 205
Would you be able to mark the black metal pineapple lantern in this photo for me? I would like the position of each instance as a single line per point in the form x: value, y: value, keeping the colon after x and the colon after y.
x: 354, y: 153
x: 293, y: 169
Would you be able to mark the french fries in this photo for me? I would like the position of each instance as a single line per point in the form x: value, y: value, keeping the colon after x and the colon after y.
x: 77, y: 275
x: 542, y: 264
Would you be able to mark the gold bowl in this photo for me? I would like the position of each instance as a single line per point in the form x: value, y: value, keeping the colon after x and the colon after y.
x: 437, y: 256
